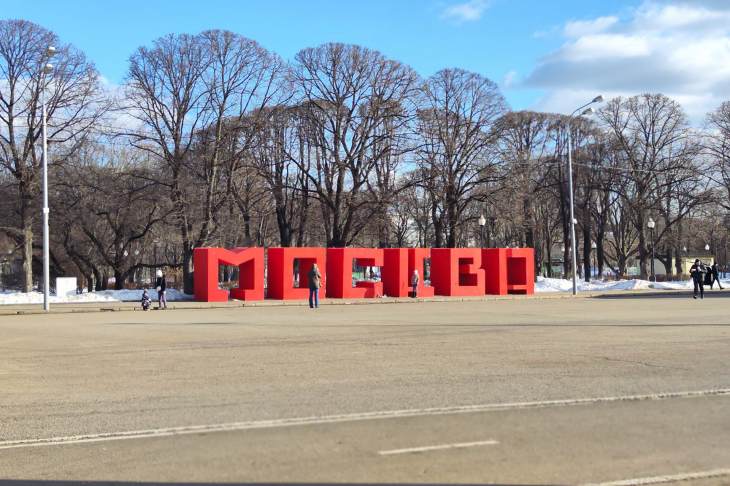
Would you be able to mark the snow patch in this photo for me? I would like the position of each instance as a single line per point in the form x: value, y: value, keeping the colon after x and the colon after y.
x: 7, y: 298
x: 559, y: 285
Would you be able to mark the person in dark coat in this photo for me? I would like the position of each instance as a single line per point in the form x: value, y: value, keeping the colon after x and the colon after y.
x: 315, y: 282
x: 697, y: 271
x: 715, y: 275
x: 161, y: 286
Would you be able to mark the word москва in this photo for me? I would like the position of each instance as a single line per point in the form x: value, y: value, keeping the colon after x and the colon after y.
x: 453, y: 272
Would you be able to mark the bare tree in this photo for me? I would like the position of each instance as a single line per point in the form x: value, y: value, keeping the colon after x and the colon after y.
x: 186, y: 90
x: 117, y: 229
x: 74, y: 103
x: 653, y: 140
x: 456, y: 150
x: 358, y: 105
x: 717, y: 143
x: 523, y: 146
x: 280, y: 140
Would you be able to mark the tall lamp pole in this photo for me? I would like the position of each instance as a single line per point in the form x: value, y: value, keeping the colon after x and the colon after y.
x: 47, y: 69
x: 651, y: 225
x: 583, y: 110
x: 482, y: 222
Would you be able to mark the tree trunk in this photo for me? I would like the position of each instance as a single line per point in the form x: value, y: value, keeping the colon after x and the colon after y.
x: 587, y: 252
x: 27, y: 256
x: 118, y: 280
x: 26, y: 220
x: 98, y: 277
x: 246, y: 230
x: 549, y: 257
x: 285, y: 232
x: 666, y: 260
x: 644, y: 257
x: 188, y: 271
x: 678, y: 260
x: 600, y: 256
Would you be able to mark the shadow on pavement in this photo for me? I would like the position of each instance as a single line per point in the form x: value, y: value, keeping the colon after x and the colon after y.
x: 666, y: 294
x: 20, y: 482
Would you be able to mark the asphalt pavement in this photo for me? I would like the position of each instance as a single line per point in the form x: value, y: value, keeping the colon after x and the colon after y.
x: 526, y: 391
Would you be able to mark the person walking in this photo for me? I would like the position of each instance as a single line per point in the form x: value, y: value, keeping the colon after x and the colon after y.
x: 315, y: 282
x: 715, y: 274
x: 697, y: 271
x: 161, y: 287
x: 415, y: 278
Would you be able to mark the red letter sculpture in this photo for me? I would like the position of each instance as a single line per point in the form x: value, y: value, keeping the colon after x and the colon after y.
x: 494, y: 263
x: 281, y: 272
x: 509, y: 270
x: 339, y: 272
x: 521, y: 271
x: 250, y: 262
x: 395, y: 272
x: 457, y: 271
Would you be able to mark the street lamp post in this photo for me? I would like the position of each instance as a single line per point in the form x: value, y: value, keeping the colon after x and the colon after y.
x: 482, y: 222
x: 583, y: 110
x: 651, y: 225
x: 47, y: 69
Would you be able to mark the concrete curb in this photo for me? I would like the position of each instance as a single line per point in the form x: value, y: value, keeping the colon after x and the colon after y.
x: 185, y: 305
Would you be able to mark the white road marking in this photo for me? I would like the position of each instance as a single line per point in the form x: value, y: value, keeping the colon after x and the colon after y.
x: 352, y: 417
x: 458, y: 445
x: 715, y: 473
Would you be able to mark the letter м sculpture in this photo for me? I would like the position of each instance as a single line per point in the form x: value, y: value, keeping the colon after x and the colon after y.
x: 250, y: 263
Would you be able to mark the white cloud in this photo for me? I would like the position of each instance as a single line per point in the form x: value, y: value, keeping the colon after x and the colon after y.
x: 509, y: 79
x: 653, y: 16
x: 578, y: 28
x: 680, y: 48
x: 466, y: 12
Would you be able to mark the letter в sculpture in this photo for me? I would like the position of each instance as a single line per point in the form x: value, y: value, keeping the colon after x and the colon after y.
x: 509, y: 270
x: 250, y: 263
x: 339, y: 272
x: 281, y: 272
x: 521, y: 271
x: 457, y: 271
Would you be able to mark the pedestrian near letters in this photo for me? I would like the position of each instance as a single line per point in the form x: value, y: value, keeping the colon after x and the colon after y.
x: 315, y: 282
x: 161, y: 287
x: 697, y: 271
x: 715, y: 275
x: 415, y: 278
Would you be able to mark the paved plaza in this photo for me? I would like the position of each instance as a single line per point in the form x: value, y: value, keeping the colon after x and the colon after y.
x: 603, y: 390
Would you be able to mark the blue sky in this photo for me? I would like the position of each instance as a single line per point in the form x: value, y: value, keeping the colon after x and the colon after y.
x: 528, y: 42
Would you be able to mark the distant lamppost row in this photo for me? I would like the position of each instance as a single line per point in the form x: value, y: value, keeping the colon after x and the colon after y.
x: 47, y: 69
x: 651, y: 225
x: 583, y: 110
